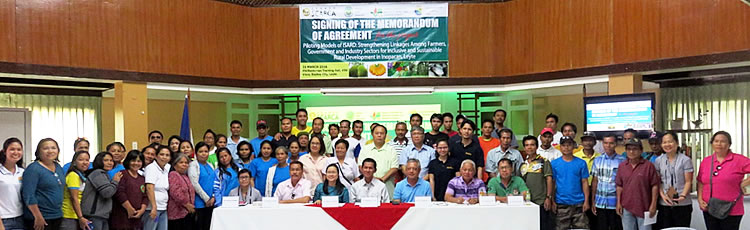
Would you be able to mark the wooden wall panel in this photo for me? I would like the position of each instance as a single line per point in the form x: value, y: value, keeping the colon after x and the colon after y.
x: 551, y: 34
x: 8, y: 30
x: 637, y: 29
x: 473, y: 47
x: 515, y: 37
x: 591, y: 35
x: 43, y: 32
x: 274, y: 42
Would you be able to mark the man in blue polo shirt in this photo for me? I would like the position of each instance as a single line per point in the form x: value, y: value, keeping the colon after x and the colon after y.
x: 262, y: 128
x: 570, y: 175
x: 413, y: 186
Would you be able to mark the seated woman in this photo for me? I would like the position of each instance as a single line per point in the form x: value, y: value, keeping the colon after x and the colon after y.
x: 332, y: 186
x: 247, y: 193
x: 279, y: 172
x: 465, y: 188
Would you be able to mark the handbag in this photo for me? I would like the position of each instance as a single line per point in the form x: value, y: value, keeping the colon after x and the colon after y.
x: 716, y: 207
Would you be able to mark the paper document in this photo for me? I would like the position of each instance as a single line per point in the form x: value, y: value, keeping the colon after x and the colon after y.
x: 647, y: 220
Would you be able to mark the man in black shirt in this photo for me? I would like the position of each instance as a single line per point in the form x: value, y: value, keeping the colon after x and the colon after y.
x: 431, y: 138
x: 467, y: 147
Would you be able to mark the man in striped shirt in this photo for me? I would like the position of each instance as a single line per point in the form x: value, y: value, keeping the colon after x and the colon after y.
x: 603, y: 185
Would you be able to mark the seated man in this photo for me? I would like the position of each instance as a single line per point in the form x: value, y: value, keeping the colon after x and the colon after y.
x: 465, y: 188
x: 506, y: 184
x: 295, y: 189
x: 413, y: 186
x: 369, y: 187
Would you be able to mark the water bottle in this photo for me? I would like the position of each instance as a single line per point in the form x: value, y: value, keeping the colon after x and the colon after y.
x: 482, y: 192
x: 527, y: 197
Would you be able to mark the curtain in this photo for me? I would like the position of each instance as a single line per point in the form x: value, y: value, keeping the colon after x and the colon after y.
x: 727, y: 110
x: 63, y: 118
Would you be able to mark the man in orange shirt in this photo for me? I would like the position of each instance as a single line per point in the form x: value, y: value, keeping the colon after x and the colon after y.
x: 486, y: 141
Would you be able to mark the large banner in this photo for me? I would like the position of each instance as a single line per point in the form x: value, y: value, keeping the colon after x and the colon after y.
x: 383, y: 40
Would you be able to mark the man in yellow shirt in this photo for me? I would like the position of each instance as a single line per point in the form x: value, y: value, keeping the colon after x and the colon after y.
x: 570, y: 130
x: 301, y: 123
x: 586, y: 152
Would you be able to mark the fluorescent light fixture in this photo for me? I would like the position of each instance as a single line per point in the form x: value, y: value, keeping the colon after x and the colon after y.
x: 525, y: 85
x: 231, y: 90
x: 377, y: 91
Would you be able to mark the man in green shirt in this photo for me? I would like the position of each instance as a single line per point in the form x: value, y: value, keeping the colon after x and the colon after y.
x: 506, y: 184
x: 536, y: 171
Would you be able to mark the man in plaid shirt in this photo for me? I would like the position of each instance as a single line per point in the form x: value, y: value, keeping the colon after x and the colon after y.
x: 603, y: 186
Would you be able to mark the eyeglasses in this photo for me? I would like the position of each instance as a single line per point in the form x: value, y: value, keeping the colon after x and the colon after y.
x: 244, y: 178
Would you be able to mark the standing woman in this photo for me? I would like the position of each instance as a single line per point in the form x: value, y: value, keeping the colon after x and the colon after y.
x: 722, y: 176
x: 97, y: 196
x: 221, y: 142
x: 149, y: 155
x: 209, y: 137
x: 42, y: 188
x: 174, y: 143
x: 279, y: 172
x: 348, y: 169
x: 80, y: 144
x: 259, y: 167
x: 226, y: 175
x: 202, y: 178
x: 11, y: 172
x: 75, y: 182
x: 676, y: 173
x: 331, y: 187
x: 130, y: 200
x: 157, y: 185
x: 442, y: 169
x: 314, y: 162
x: 294, y: 153
x: 186, y: 147
x: 117, y: 150
x: 244, y: 151
x: 180, y: 208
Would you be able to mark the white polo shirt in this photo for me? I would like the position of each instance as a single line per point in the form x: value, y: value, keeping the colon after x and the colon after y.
x: 285, y: 190
x: 160, y: 179
x: 10, y: 188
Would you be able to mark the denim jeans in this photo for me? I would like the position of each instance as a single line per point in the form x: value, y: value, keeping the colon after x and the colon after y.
x: 159, y: 224
x: 13, y: 223
x: 631, y: 222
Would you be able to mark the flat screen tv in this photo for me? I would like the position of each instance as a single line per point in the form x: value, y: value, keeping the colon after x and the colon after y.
x: 617, y: 113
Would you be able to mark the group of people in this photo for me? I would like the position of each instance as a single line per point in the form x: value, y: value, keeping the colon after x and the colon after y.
x: 177, y: 185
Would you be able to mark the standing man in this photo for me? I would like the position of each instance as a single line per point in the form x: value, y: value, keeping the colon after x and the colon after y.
x: 301, y: 123
x: 468, y: 149
x: 587, y: 153
x: 400, y: 141
x: 502, y: 152
x: 537, y: 173
x: 343, y: 128
x: 431, y: 138
x: 383, y: 155
x: 604, y: 190
x: 570, y: 175
x: 626, y: 136
x: 637, y: 188
x: 155, y: 137
x: 262, y: 127
x: 235, y: 127
x: 285, y: 136
x: 317, y: 129
x: 419, y: 151
x: 569, y: 130
x: 486, y: 141
x: 415, y: 120
x: 499, y: 118
x: 358, y: 140
x: 448, y: 125
x: 551, y: 123
x: 546, y: 149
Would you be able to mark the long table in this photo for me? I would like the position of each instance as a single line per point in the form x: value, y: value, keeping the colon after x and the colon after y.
x: 438, y: 216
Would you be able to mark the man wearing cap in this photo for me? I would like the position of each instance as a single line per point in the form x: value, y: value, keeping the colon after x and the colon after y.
x: 546, y: 149
x: 637, y: 187
x: 551, y: 123
x: 604, y: 192
x: 587, y: 153
x: 626, y: 136
x: 654, y: 141
x: 505, y: 150
x: 570, y: 176
x: 262, y: 127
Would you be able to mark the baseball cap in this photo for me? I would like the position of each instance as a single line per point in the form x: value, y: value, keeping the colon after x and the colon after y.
x: 545, y: 130
x: 261, y: 124
x: 588, y: 135
x: 565, y: 139
x: 634, y: 141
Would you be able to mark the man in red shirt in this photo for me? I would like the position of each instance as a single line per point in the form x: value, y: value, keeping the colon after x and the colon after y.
x: 486, y: 141
x: 637, y: 188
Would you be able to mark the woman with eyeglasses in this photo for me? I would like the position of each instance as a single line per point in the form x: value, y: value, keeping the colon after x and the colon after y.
x: 247, y: 193
x: 676, y: 173
x: 722, y: 176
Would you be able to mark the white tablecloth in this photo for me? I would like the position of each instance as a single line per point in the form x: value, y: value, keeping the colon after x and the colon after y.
x: 297, y: 216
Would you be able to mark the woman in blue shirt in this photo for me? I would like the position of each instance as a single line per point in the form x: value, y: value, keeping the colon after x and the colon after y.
x: 279, y: 172
x: 42, y: 188
x: 226, y: 175
x: 332, y: 186
x: 259, y: 167
x: 118, y: 152
x: 202, y: 178
x: 244, y: 151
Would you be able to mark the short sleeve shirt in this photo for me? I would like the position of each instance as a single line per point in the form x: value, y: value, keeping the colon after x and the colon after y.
x: 636, y: 185
x: 515, y: 187
x: 159, y: 177
x: 72, y: 181
x: 386, y: 157
x: 535, y: 172
x: 497, y: 154
x: 726, y: 180
x: 568, y: 176
x: 405, y: 192
x: 459, y: 188
x: 10, y: 186
x: 424, y: 155
x: 285, y: 190
x: 672, y: 174
x: 605, y: 170
x: 473, y: 152
x: 443, y: 172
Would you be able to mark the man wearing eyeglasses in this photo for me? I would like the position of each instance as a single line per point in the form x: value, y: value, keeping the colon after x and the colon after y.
x: 155, y: 137
x: 637, y: 187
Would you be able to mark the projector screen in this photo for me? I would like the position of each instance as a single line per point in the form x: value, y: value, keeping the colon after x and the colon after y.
x: 620, y: 112
x: 386, y: 115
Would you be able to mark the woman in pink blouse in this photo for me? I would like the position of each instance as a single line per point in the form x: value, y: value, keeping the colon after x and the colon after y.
x: 180, y: 207
x: 728, y: 183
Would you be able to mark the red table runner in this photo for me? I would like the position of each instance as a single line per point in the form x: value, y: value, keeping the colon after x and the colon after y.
x: 355, y: 217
